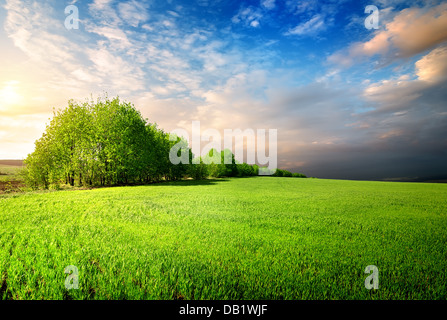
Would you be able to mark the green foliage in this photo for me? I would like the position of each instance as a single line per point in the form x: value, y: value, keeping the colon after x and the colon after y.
x: 255, y: 169
x: 102, y: 143
x: 108, y: 142
x: 278, y: 173
x: 245, y: 170
x: 298, y: 175
x: 242, y: 239
x: 198, y: 170
x: 221, y: 164
x: 9, y: 170
x: 285, y: 173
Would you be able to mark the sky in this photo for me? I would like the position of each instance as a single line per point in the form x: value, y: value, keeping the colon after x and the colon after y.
x: 347, y: 101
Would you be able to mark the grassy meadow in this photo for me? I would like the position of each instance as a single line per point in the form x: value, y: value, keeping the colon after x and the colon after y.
x: 10, y: 167
x: 246, y: 238
x: 10, y: 180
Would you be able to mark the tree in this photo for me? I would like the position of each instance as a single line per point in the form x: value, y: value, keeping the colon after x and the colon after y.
x: 245, y: 170
x: 91, y: 143
x: 199, y: 170
x: 298, y: 175
x: 221, y: 164
x: 108, y: 142
x: 120, y: 139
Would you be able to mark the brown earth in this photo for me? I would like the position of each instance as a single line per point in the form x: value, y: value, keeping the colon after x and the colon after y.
x: 11, y: 186
x: 17, y: 163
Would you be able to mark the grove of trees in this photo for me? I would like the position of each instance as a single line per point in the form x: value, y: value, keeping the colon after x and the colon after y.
x: 110, y: 143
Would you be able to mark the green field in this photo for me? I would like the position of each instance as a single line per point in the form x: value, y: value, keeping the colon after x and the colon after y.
x: 247, y: 238
x: 8, y: 170
x: 10, y: 180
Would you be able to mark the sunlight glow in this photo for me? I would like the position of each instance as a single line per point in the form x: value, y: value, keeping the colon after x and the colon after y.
x: 9, y: 95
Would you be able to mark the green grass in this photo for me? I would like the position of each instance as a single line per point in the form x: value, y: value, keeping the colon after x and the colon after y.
x: 10, y: 178
x: 252, y: 238
x: 9, y: 172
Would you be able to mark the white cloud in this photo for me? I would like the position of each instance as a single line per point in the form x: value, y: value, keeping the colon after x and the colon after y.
x: 268, y: 4
x: 29, y: 30
x: 86, y: 76
x: 100, y: 4
x: 115, y: 71
x: 426, y: 27
x: 433, y: 66
x: 104, y: 13
x: 18, y: 133
x: 398, y: 94
x: 250, y: 16
x: 298, y: 7
x: 115, y: 35
x: 312, y: 26
x: 133, y: 12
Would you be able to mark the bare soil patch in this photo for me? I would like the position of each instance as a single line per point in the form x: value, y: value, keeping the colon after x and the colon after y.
x: 11, y: 186
x: 16, y: 163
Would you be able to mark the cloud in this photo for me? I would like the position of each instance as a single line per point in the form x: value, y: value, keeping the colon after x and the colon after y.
x: 104, y: 13
x: 311, y: 27
x: 66, y: 69
x: 176, y: 72
x: 18, y: 133
x: 100, y: 4
x: 29, y: 30
x: 40, y: 49
x: 133, y: 12
x: 299, y: 7
x: 402, y: 134
x: 433, y: 67
x: 116, y: 36
x: 249, y: 16
x: 9, y: 95
x: 268, y: 4
x: 426, y: 27
x: 406, y: 125
x: 115, y: 72
x: 399, y: 94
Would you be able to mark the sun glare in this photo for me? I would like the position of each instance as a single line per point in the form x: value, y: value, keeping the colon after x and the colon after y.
x: 9, y: 95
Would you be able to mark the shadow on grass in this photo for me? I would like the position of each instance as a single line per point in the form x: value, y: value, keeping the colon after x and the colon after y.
x: 186, y: 183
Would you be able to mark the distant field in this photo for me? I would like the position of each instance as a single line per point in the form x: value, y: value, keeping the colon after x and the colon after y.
x: 10, y: 167
x: 247, y: 238
x: 15, y: 163
x: 9, y: 179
